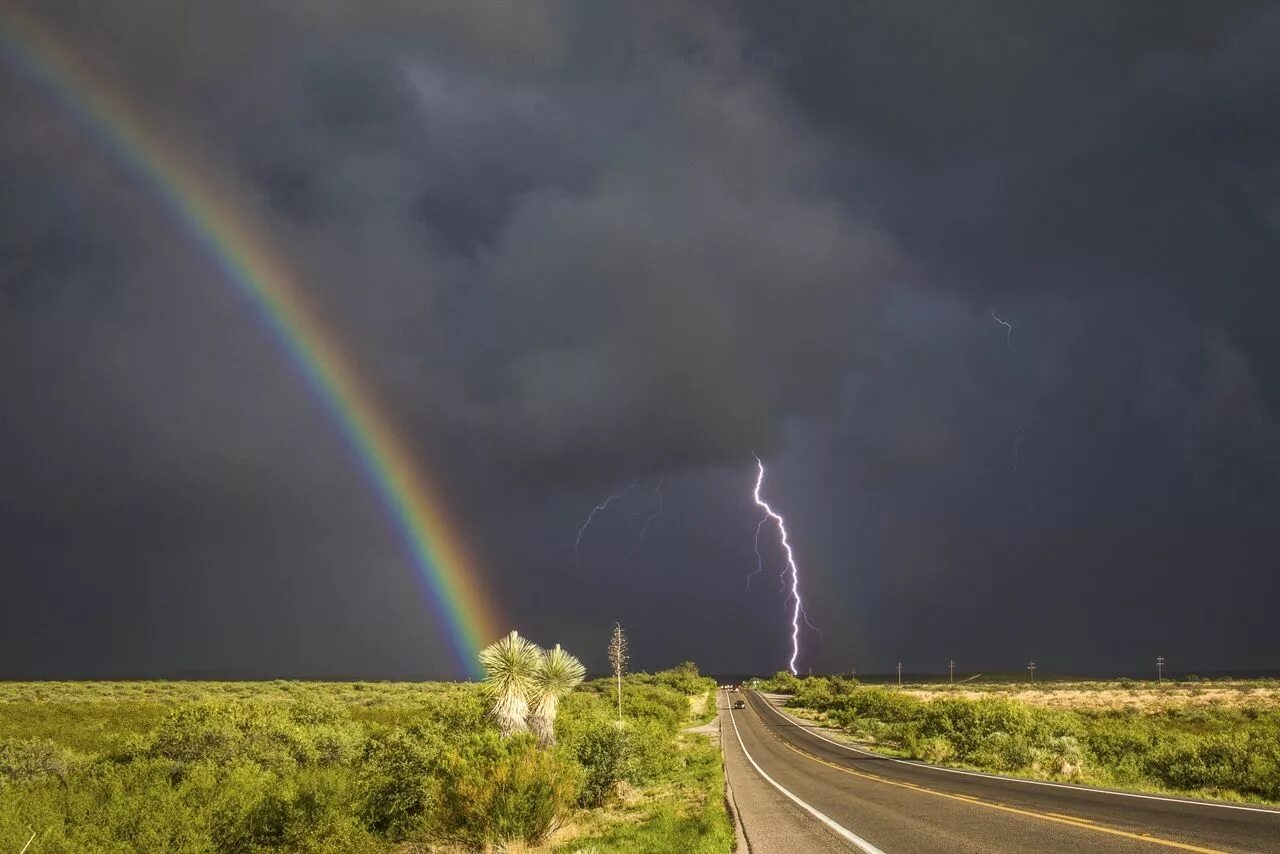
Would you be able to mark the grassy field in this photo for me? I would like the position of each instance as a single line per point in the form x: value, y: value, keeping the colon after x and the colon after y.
x: 1217, y: 740
x: 304, y: 766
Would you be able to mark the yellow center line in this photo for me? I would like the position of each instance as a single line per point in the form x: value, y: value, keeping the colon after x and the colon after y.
x: 1083, y: 823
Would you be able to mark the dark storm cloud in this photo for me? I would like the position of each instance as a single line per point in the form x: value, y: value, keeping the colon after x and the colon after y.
x: 571, y: 244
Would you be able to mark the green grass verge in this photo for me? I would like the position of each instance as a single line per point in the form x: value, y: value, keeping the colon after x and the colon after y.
x: 686, y: 813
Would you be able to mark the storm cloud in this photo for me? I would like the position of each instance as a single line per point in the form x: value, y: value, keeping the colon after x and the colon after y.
x: 571, y: 245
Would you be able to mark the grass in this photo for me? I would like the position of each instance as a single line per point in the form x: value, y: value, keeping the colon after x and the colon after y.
x: 1172, y: 738
x: 378, y: 767
x: 686, y: 813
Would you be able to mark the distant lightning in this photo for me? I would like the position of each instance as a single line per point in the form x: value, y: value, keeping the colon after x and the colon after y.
x: 1008, y: 327
x: 759, y: 559
x: 644, y: 529
x: 577, y: 542
x: 798, y: 605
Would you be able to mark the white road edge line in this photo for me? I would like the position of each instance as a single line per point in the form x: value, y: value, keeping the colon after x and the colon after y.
x: 837, y: 828
x: 1084, y: 789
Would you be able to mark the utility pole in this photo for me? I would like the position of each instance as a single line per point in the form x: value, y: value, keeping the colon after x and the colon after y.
x: 951, y: 669
x: 1159, y: 668
x: 1031, y: 665
x: 899, y: 674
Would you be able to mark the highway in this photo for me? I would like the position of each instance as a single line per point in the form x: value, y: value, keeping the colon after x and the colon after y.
x: 796, y: 790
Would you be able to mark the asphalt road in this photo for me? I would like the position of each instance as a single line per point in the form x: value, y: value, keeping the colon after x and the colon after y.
x: 799, y: 791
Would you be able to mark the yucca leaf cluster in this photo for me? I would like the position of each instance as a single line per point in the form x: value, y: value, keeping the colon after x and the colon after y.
x: 526, y: 684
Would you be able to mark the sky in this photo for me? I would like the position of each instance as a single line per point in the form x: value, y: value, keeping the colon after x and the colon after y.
x: 572, y: 245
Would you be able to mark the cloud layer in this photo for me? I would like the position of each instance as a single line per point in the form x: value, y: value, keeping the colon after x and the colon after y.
x: 571, y: 246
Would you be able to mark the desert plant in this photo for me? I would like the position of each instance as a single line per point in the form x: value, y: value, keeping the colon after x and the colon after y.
x: 557, y: 674
x: 618, y: 660
x: 510, y: 665
x: 495, y: 792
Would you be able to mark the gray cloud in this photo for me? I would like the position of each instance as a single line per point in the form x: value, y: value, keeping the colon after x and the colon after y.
x: 570, y: 244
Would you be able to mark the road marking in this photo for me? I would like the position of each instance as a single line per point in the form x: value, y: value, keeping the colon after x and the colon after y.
x: 837, y: 828
x: 1084, y: 789
x: 1084, y: 824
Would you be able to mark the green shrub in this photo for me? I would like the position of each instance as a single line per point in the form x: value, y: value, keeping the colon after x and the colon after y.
x: 29, y: 760
x: 494, y: 791
x: 685, y: 678
x: 782, y: 682
x: 1003, y: 751
x: 275, y: 737
x: 968, y: 724
x: 396, y: 783
x: 602, y: 751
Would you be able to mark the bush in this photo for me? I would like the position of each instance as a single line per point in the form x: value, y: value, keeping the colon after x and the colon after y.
x: 29, y: 760
x: 934, y: 748
x: 602, y: 751
x: 494, y: 791
x: 685, y: 678
x: 221, y: 732
x: 1004, y: 752
x: 396, y: 783
x: 782, y: 682
x: 968, y: 724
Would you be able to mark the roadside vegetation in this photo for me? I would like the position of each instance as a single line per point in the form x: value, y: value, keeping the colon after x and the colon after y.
x: 1166, y: 740
x: 356, y: 767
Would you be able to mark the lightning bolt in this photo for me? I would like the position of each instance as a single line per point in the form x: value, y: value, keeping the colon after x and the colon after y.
x: 759, y: 559
x: 603, y: 505
x: 1008, y: 327
x: 657, y: 491
x: 798, y: 606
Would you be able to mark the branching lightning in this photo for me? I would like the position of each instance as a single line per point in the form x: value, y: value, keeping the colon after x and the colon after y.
x: 1008, y: 327
x: 577, y: 541
x: 644, y: 529
x: 759, y: 559
x: 798, y: 605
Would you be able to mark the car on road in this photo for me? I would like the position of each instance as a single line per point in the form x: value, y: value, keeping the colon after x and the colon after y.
x: 739, y: 704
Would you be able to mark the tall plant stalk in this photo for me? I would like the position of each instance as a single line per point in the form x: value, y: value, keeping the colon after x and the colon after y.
x: 618, y: 660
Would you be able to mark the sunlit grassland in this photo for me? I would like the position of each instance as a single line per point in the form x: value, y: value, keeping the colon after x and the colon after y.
x: 1216, y: 739
x: 357, y: 766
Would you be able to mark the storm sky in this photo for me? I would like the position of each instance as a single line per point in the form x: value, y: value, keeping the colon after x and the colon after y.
x: 571, y: 245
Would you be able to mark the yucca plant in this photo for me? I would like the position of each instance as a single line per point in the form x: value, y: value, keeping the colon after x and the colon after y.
x: 558, y: 673
x: 510, y: 665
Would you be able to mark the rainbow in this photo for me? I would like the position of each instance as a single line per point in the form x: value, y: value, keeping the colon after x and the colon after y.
x: 437, y: 553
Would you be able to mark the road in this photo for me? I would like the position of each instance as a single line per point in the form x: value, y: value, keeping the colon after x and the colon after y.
x: 796, y: 790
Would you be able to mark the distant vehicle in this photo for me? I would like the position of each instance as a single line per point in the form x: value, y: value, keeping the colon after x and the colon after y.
x: 739, y: 704
x: 734, y: 689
